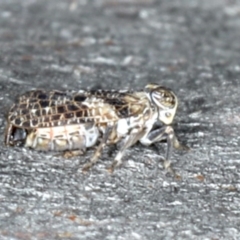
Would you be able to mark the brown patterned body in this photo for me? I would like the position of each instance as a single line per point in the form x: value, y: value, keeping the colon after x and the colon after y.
x: 69, y: 120
x: 66, y: 120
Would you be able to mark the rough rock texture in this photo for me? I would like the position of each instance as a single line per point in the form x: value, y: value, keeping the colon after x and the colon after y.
x: 191, y: 46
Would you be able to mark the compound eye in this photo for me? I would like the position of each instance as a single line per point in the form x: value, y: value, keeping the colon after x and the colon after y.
x: 168, y: 114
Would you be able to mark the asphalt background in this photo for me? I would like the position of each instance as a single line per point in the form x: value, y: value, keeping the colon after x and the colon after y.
x: 190, y: 46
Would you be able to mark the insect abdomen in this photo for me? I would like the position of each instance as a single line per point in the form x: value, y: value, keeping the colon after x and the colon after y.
x: 63, y: 138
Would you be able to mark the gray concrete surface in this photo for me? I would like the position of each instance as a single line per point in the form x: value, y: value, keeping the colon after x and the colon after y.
x: 190, y: 46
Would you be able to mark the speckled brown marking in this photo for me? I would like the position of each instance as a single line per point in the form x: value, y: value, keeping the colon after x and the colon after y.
x: 68, y: 120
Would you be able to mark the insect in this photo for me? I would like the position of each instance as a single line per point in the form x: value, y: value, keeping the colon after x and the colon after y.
x: 76, y: 120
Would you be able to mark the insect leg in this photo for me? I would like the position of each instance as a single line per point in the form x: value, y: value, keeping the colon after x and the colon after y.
x: 160, y: 134
x: 97, y: 153
x: 8, y: 133
x: 130, y: 140
x: 172, y: 141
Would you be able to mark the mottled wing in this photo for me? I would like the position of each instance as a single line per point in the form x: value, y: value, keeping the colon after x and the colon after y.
x: 126, y: 103
x: 38, y: 108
